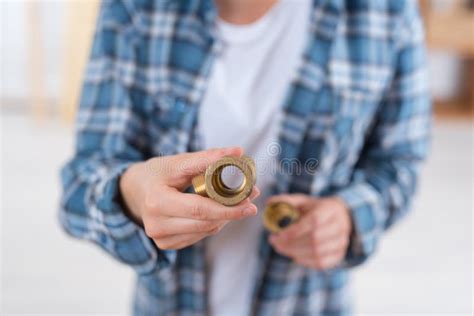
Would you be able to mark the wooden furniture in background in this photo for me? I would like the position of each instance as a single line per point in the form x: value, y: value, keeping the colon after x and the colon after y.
x: 451, y: 29
x: 81, y: 16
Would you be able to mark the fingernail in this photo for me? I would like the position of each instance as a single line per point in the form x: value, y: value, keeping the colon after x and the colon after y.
x: 257, y: 192
x: 230, y: 150
x: 254, y: 195
x: 250, y: 210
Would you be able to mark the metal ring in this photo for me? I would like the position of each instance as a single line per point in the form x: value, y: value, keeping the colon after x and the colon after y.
x: 279, y: 215
x: 210, y: 183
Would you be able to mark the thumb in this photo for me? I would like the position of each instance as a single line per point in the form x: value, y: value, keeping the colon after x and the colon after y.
x: 188, y: 165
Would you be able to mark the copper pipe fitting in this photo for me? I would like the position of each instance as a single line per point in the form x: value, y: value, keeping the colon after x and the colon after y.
x: 210, y: 183
x: 279, y: 215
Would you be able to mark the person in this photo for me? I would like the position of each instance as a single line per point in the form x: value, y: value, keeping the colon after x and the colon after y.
x: 330, y: 99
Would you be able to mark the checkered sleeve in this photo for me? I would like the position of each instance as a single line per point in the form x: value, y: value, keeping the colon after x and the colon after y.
x: 385, y: 177
x: 110, y: 136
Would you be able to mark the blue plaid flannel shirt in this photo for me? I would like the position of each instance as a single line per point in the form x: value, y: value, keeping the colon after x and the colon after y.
x: 359, y: 105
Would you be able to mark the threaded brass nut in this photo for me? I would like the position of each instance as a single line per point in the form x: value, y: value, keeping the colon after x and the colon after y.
x: 210, y: 183
x: 279, y: 215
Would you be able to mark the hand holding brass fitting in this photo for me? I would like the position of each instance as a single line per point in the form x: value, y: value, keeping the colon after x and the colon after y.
x: 279, y: 215
x: 210, y: 183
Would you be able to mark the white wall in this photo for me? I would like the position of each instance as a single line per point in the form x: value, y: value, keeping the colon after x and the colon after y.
x: 445, y: 75
x: 16, y: 52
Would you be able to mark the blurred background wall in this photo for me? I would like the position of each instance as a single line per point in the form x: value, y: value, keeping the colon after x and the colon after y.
x: 44, y: 45
x: 423, y: 266
x: 32, y: 34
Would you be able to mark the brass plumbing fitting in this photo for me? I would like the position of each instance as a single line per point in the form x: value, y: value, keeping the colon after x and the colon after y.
x: 210, y: 183
x: 279, y: 215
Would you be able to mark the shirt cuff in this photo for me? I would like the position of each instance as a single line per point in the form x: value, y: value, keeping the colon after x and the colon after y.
x: 121, y: 235
x: 367, y: 215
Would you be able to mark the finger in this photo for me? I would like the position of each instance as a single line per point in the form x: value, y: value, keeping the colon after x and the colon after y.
x: 189, y: 165
x: 333, y: 245
x: 318, y: 243
x: 330, y: 261
x: 311, y: 221
x: 300, y: 248
x: 320, y: 247
x: 322, y: 263
x: 323, y: 237
x: 314, y: 238
x: 282, y: 249
x: 190, y: 205
x: 170, y: 226
x: 178, y: 241
x: 300, y: 228
x: 327, y: 232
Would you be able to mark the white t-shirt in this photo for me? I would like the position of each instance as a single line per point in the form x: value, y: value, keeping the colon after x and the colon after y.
x: 242, y: 107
